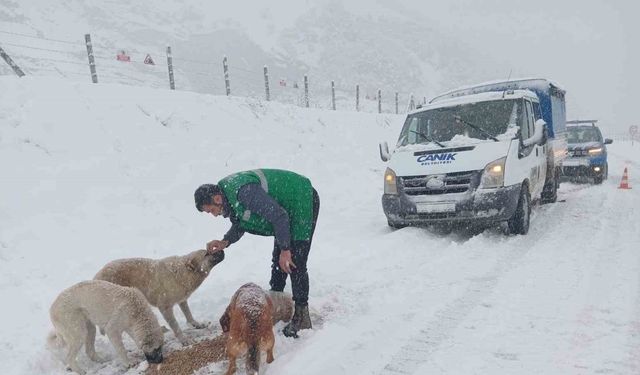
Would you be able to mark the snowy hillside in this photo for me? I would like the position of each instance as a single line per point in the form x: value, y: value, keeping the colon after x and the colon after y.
x: 91, y: 173
x: 374, y: 45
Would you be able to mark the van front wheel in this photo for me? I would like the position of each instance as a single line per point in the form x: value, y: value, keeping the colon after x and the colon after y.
x: 519, y: 222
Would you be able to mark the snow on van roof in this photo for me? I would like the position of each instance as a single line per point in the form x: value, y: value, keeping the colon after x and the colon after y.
x: 532, y: 83
x: 481, y: 97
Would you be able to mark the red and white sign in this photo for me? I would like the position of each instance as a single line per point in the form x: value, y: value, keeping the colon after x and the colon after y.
x: 122, y: 56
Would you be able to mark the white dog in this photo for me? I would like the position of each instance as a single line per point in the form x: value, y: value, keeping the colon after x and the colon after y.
x: 113, y: 308
x: 165, y: 282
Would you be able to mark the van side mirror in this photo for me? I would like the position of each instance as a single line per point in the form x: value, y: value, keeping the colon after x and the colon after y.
x: 538, y: 134
x: 384, y: 151
x: 608, y: 141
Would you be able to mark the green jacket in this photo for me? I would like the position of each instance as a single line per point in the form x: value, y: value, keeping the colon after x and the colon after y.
x: 292, y: 191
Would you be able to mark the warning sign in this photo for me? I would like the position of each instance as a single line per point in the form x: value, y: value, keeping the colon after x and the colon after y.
x: 148, y: 60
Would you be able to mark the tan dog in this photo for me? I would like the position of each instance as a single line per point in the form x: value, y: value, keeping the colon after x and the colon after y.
x: 113, y: 308
x: 248, y: 320
x: 165, y: 282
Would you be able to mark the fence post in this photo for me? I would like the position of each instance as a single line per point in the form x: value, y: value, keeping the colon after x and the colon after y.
x: 266, y: 83
x: 225, y: 66
x: 357, y: 98
x: 92, y: 61
x: 333, y: 95
x: 379, y: 101
x: 306, y: 91
x: 172, y: 83
x: 16, y: 68
x: 396, y: 102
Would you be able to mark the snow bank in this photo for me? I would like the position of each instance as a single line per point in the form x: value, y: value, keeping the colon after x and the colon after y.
x: 92, y: 173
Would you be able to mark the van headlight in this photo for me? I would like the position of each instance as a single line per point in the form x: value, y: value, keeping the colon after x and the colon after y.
x: 595, y: 151
x: 390, y: 184
x: 493, y: 174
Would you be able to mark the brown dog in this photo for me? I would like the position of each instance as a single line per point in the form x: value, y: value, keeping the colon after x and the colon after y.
x: 165, y: 282
x: 248, y: 321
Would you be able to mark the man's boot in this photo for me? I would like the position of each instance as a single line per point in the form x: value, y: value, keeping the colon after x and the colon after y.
x: 299, y: 321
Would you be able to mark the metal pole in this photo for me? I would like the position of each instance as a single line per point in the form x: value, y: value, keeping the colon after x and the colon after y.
x: 172, y: 83
x: 92, y: 61
x: 225, y: 66
x: 333, y: 95
x: 16, y: 68
x: 379, y: 101
x: 266, y: 83
x: 357, y: 98
x: 306, y: 91
x: 396, y: 102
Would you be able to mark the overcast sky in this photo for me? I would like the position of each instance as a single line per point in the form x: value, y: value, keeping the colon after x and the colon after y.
x: 590, y: 47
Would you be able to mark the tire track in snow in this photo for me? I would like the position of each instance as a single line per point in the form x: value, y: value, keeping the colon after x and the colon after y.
x: 604, y: 311
x: 581, y: 339
x: 631, y: 362
x: 429, y: 338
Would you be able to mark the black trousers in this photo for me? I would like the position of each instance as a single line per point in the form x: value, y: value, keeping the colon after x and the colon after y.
x: 299, y: 254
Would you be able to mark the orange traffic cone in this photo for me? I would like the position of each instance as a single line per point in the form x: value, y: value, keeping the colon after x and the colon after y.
x: 624, y: 184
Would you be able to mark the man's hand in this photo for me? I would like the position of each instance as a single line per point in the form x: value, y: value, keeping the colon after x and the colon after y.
x: 216, y: 245
x: 285, y: 261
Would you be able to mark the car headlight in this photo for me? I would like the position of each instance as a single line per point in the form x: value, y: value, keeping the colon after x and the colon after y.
x: 595, y: 151
x: 493, y: 174
x: 390, y: 184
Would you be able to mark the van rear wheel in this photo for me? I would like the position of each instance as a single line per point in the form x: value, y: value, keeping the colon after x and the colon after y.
x: 550, y: 189
x: 519, y: 222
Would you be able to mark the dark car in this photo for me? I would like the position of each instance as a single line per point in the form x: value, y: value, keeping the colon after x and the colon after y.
x: 587, y: 152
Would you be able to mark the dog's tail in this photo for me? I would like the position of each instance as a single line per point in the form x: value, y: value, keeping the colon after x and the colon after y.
x: 55, y: 341
x: 253, y: 359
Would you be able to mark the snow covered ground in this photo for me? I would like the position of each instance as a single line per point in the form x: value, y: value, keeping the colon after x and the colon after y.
x: 91, y: 173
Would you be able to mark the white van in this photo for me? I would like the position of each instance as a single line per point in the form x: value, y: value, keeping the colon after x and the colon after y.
x: 479, y: 154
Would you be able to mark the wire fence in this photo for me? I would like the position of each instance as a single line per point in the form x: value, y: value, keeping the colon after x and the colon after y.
x: 40, y: 56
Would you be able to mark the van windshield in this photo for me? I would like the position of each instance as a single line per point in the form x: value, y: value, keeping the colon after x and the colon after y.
x: 443, y: 124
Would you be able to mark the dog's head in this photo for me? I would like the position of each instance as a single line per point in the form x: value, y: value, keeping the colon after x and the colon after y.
x: 201, y: 262
x: 152, y: 346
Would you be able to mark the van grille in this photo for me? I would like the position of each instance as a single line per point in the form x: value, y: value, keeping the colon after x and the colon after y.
x: 457, y: 182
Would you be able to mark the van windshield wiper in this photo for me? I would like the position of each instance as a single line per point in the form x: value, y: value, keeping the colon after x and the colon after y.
x: 484, y: 132
x: 427, y: 138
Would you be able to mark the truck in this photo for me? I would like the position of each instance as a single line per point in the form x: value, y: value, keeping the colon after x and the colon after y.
x: 478, y: 155
x: 587, y: 150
